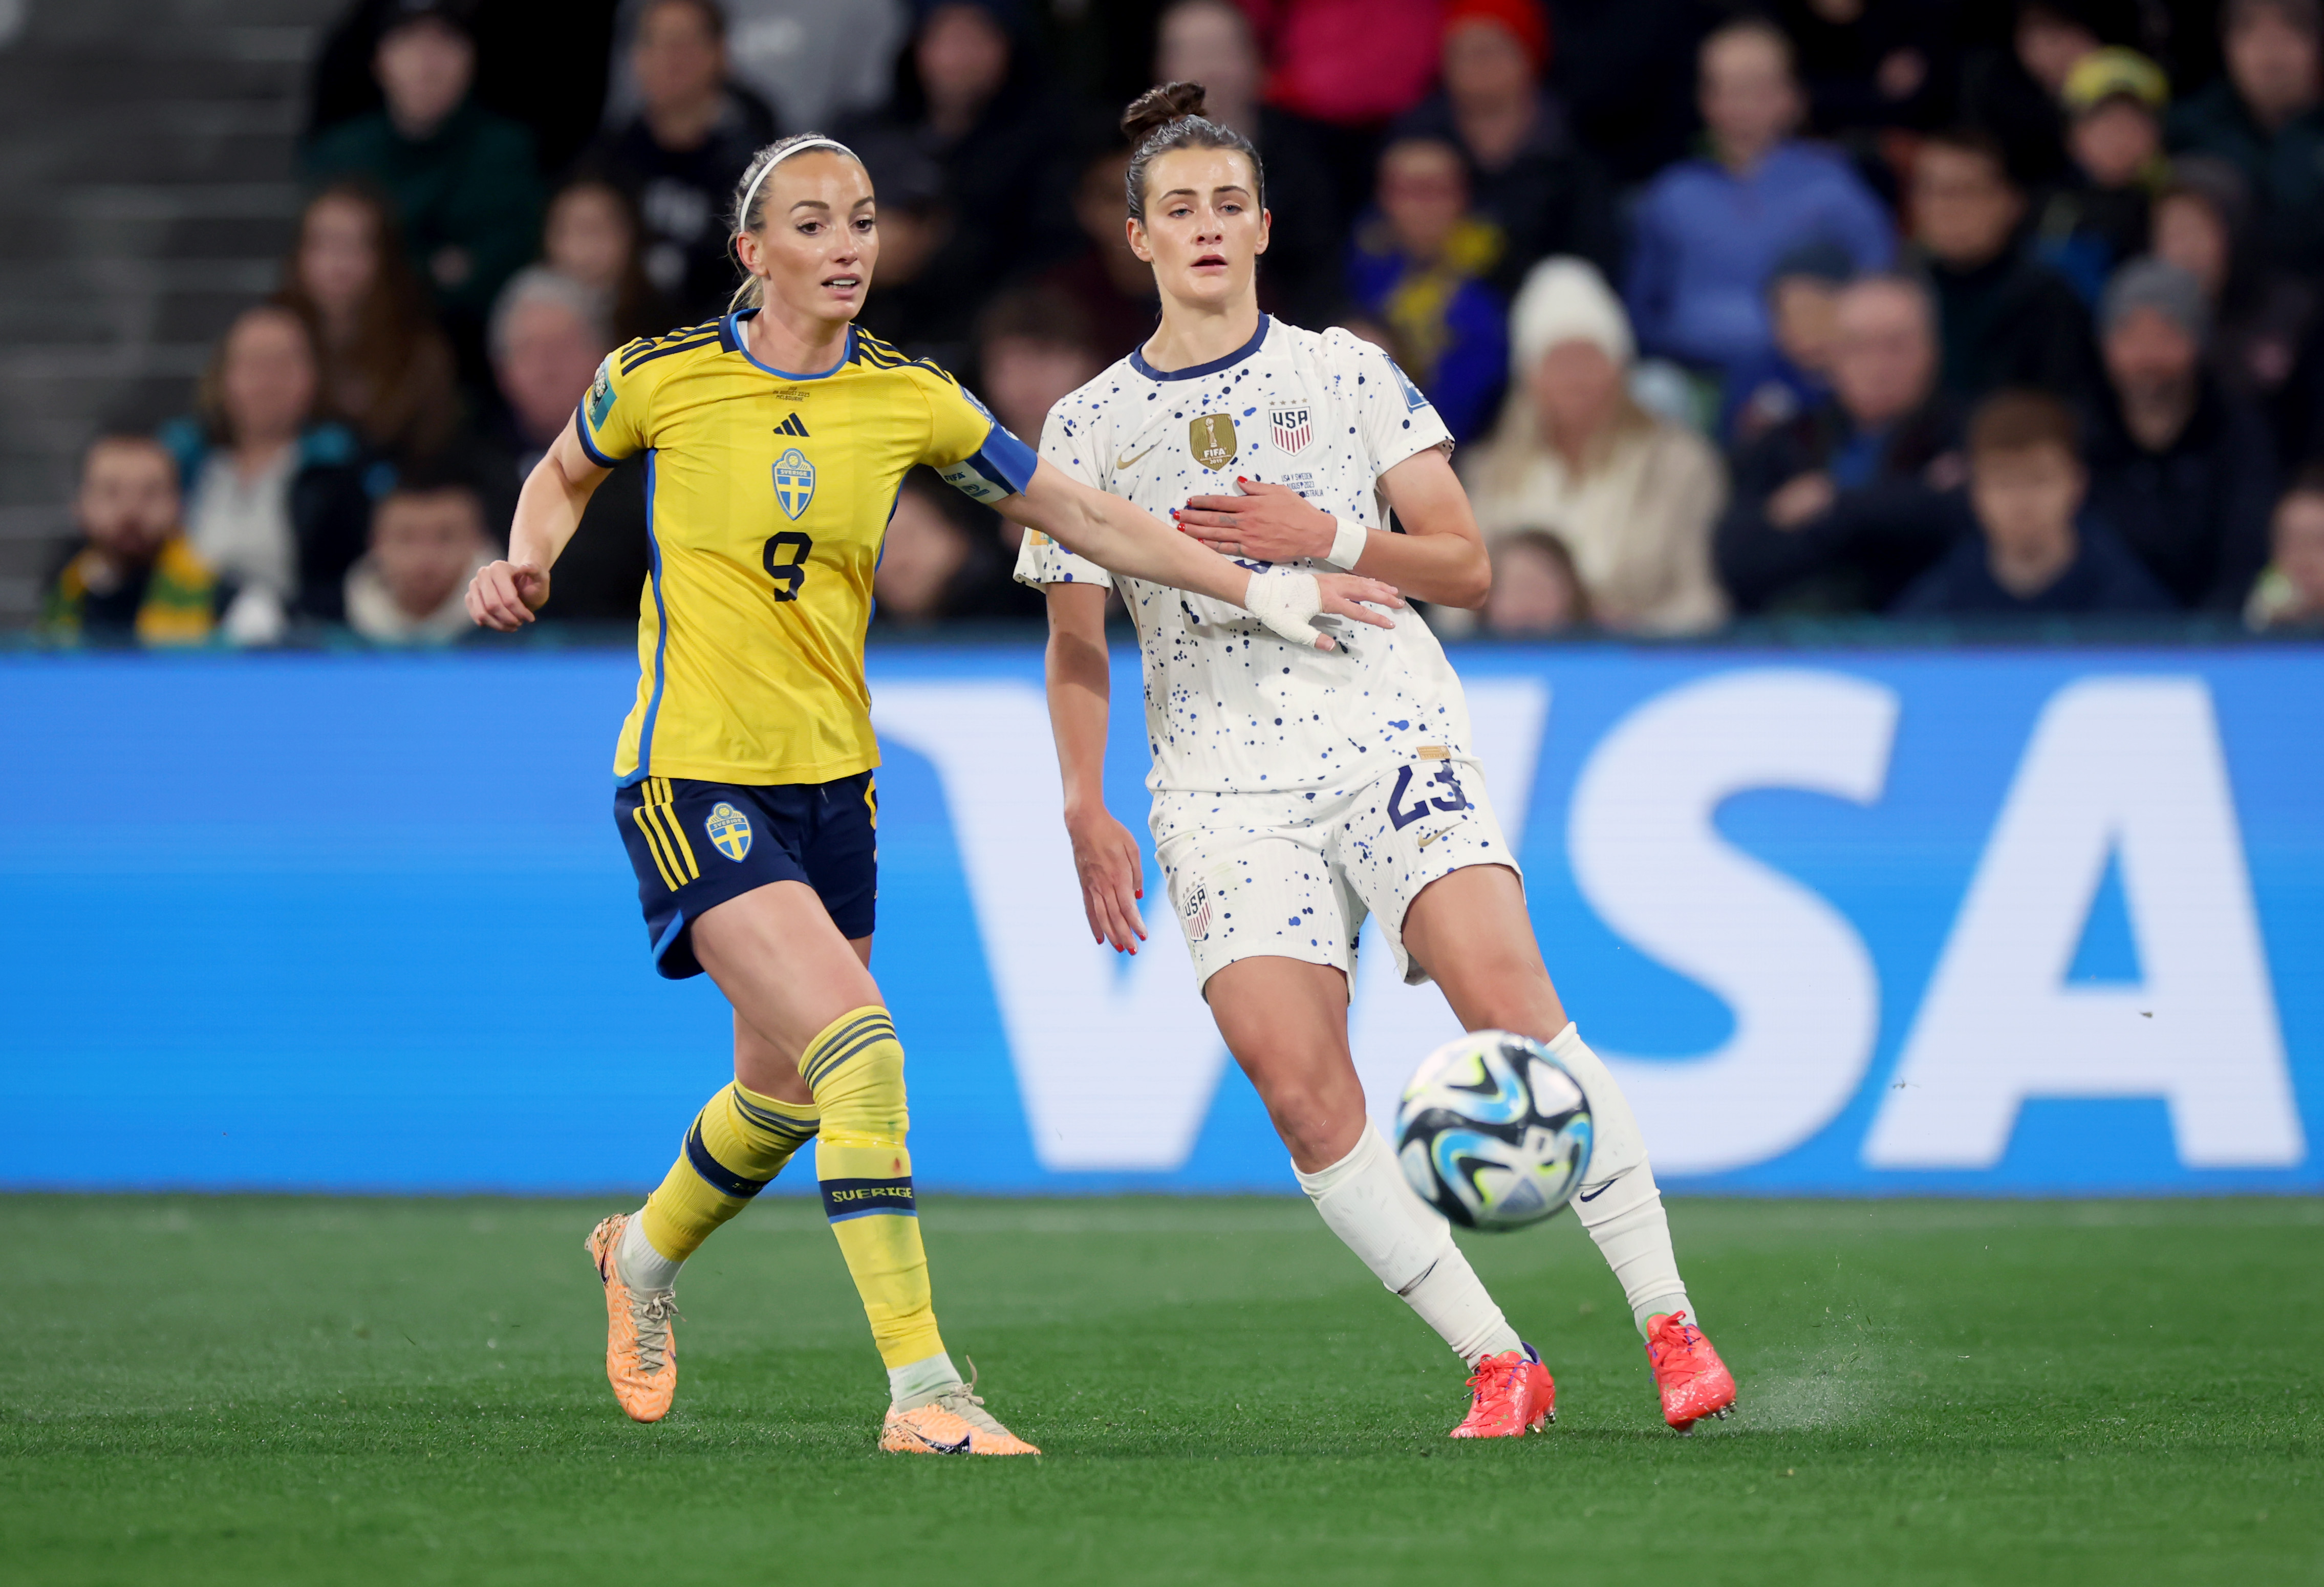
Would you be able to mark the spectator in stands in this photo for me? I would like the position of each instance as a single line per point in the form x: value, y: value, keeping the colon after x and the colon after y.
x: 387, y: 370
x: 1537, y: 591
x: 427, y: 538
x: 1707, y: 232
x: 2290, y: 593
x: 971, y: 94
x: 933, y: 567
x: 591, y: 236
x: 1867, y: 66
x: 548, y: 335
x: 2014, y: 93
x: 131, y: 578
x: 2266, y: 116
x: 2037, y: 552
x: 2260, y: 315
x: 1625, y: 71
x: 1792, y: 374
x: 911, y: 304
x: 2185, y: 473
x: 1211, y: 43
x: 815, y: 61
x: 2097, y: 218
x: 1417, y: 267
x: 276, y: 500
x: 682, y: 152
x: 1110, y: 287
x: 1526, y: 173
x: 1839, y: 509
x: 2002, y: 319
x: 1031, y: 351
x: 548, y: 79
x: 1346, y: 63
x: 1633, y: 496
x: 461, y: 177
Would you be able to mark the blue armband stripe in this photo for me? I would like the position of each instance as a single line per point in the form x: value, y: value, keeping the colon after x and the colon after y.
x: 1005, y: 460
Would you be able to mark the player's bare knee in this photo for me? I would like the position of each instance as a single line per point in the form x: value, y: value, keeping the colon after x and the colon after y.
x: 1319, y: 1124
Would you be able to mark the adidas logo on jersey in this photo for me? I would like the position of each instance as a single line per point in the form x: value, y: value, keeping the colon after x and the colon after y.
x: 791, y: 427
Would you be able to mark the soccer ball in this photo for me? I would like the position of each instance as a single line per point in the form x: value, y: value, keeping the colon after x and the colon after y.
x: 1493, y: 1131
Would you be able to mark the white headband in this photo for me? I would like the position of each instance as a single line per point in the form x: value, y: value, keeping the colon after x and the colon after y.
x: 750, y: 193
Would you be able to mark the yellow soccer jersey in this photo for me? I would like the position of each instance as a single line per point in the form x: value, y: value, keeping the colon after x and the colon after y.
x: 768, y: 494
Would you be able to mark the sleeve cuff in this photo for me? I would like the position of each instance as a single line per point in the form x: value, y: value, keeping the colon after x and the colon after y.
x: 581, y: 428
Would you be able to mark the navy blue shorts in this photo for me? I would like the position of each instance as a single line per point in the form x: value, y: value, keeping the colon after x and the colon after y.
x: 696, y: 845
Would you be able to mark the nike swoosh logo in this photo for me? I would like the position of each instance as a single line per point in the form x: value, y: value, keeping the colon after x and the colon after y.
x: 1126, y: 462
x: 1429, y: 837
x: 1595, y: 1194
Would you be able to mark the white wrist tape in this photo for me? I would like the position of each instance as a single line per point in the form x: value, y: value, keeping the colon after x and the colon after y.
x: 1286, y: 602
x: 1348, y: 542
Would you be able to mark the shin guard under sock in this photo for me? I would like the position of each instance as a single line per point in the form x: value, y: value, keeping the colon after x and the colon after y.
x: 1364, y: 1200
x: 855, y: 1068
x: 739, y: 1141
x: 1618, y: 1202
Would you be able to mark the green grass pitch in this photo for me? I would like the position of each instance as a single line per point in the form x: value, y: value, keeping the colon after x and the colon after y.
x: 255, y: 1390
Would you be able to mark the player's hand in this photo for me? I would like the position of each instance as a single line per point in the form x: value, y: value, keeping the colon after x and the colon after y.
x: 1265, y: 523
x: 1112, y: 875
x: 1342, y: 591
x: 1292, y: 603
x: 503, y: 596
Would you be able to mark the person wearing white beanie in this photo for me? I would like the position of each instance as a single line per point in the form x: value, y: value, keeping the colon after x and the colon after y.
x: 1634, y: 496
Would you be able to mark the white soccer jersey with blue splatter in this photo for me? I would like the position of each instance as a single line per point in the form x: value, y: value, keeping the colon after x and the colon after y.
x: 1229, y: 706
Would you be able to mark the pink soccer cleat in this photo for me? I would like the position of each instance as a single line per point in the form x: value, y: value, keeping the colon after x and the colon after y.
x: 1513, y: 1395
x: 1694, y: 1382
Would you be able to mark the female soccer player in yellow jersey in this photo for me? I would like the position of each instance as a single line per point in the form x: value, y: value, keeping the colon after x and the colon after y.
x: 1289, y: 801
x: 776, y: 439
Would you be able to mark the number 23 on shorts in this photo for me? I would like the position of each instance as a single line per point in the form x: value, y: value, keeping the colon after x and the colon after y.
x: 1404, y: 815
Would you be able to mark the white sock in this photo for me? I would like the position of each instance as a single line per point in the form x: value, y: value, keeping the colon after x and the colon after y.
x: 917, y: 1383
x: 1364, y: 1200
x: 1619, y: 1203
x: 638, y: 1264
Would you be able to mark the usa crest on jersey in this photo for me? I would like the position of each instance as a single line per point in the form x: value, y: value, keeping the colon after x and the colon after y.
x: 728, y: 827
x: 1290, y: 428
x: 794, y: 488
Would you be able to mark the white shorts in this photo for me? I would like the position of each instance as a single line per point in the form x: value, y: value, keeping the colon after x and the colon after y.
x: 1293, y: 874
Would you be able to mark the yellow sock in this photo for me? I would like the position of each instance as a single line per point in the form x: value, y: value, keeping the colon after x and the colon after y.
x: 739, y: 1140
x: 856, y: 1070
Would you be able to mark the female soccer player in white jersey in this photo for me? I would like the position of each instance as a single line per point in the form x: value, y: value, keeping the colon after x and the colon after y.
x: 1294, y: 791
x: 776, y: 439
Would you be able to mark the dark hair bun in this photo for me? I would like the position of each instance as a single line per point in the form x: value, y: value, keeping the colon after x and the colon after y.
x: 1158, y: 107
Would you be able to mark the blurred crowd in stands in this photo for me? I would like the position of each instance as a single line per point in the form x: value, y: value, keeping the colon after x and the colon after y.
x: 1832, y: 309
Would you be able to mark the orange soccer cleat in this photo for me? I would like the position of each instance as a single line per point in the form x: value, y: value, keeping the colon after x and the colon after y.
x: 1513, y: 1395
x: 1695, y: 1383
x: 640, y: 1351
x: 954, y: 1423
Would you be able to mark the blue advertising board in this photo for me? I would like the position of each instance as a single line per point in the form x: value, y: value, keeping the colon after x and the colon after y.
x: 1986, y: 922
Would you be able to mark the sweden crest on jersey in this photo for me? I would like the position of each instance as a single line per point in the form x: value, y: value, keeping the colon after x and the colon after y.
x: 794, y: 488
x: 728, y: 827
